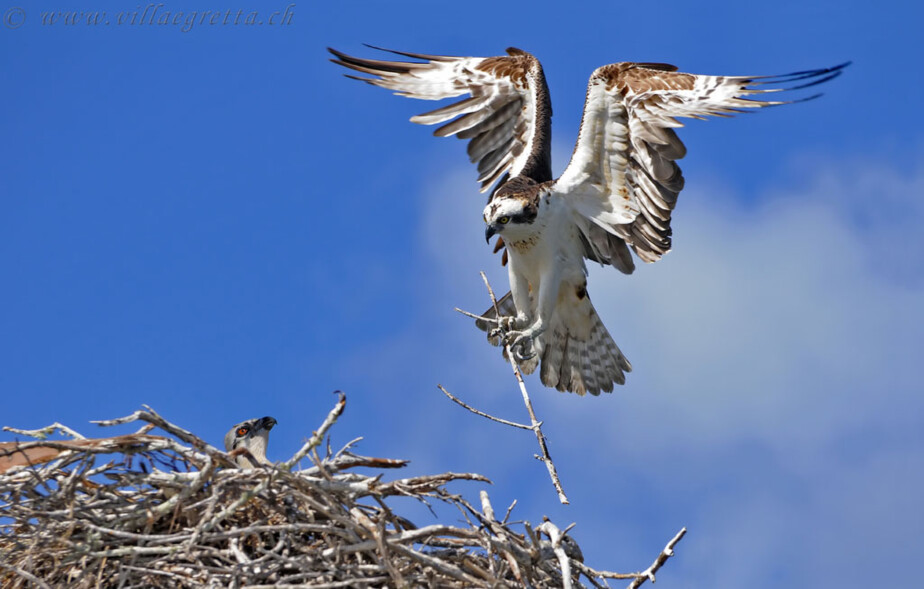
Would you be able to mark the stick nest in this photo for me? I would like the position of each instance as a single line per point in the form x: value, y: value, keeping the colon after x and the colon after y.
x: 146, y: 510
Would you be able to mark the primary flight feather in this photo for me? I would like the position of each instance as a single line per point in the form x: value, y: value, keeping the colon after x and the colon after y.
x: 617, y: 192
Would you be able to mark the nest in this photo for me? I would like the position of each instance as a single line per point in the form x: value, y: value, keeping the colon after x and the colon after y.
x: 146, y: 510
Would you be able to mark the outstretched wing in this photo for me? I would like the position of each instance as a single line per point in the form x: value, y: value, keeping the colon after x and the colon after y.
x: 623, y: 177
x: 506, y: 117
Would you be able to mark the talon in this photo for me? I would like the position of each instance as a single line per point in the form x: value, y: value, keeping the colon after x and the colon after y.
x: 523, y: 357
x: 504, y: 327
x: 521, y: 344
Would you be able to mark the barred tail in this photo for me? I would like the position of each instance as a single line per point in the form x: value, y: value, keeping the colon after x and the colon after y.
x: 591, y: 364
x: 588, y: 365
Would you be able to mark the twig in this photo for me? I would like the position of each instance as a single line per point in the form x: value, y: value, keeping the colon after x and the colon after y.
x: 25, y: 575
x: 437, y: 564
x: 536, y: 424
x: 509, y: 510
x: 315, y: 439
x: 649, y: 573
x: 482, y: 413
x: 494, y: 320
x: 43, y: 432
x: 486, y: 508
x: 150, y: 416
x: 556, y: 536
x: 74, y: 522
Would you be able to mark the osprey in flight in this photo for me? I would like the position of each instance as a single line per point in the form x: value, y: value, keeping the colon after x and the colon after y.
x: 617, y: 192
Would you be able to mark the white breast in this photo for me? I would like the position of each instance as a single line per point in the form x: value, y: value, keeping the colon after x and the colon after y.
x: 552, y: 240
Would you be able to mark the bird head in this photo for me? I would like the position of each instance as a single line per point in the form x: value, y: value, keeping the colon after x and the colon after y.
x: 512, y: 210
x: 253, y: 435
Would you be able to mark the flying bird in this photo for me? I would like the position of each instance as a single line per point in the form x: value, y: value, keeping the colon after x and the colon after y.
x: 252, y: 435
x: 616, y: 194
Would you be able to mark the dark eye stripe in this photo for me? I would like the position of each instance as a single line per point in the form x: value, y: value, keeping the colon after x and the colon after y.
x: 522, y: 218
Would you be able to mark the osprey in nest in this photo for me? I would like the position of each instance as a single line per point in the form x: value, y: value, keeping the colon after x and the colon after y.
x: 249, y: 439
x: 616, y: 194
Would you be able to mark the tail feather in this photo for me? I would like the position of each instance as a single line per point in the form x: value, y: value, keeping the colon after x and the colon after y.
x: 588, y: 376
x: 565, y: 370
x: 552, y: 361
x: 592, y: 364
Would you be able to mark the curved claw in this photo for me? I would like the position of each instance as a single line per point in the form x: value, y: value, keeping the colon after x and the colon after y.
x: 521, y: 344
x: 505, y: 326
x: 523, y: 357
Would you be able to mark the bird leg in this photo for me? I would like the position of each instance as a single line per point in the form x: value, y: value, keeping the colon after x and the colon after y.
x: 517, y: 331
x: 519, y: 291
x: 521, y: 338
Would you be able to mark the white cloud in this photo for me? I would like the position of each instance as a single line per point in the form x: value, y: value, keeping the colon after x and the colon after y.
x: 776, y: 355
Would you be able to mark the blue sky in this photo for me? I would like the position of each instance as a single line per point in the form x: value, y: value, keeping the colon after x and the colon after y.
x: 216, y: 223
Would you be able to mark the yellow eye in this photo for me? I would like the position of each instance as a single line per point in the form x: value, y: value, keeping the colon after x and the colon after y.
x: 242, y: 431
x: 504, y: 220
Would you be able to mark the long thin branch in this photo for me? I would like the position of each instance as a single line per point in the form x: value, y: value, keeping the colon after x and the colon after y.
x: 649, y: 573
x: 482, y: 413
x: 315, y: 439
x: 43, y: 432
x: 536, y: 424
x: 494, y: 320
x: 150, y: 416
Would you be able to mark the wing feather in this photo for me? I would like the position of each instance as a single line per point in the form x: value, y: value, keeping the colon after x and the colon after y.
x: 504, y: 118
x: 445, y: 113
x: 623, y: 175
x: 506, y: 115
x: 498, y: 130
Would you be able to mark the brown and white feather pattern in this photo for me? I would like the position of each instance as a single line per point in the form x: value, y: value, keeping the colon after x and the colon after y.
x: 589, y: 365
x: 578, y: 354
x: 506, y: 118
x: 623, y: 175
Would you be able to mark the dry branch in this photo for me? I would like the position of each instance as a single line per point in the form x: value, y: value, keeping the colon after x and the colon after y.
x: 535, y: 424
x: 649, y: 573
x: 144, y: 510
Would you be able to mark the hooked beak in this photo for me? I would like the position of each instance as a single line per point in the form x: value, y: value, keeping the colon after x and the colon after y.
x: 266, y: 423
x: 489, y: 232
